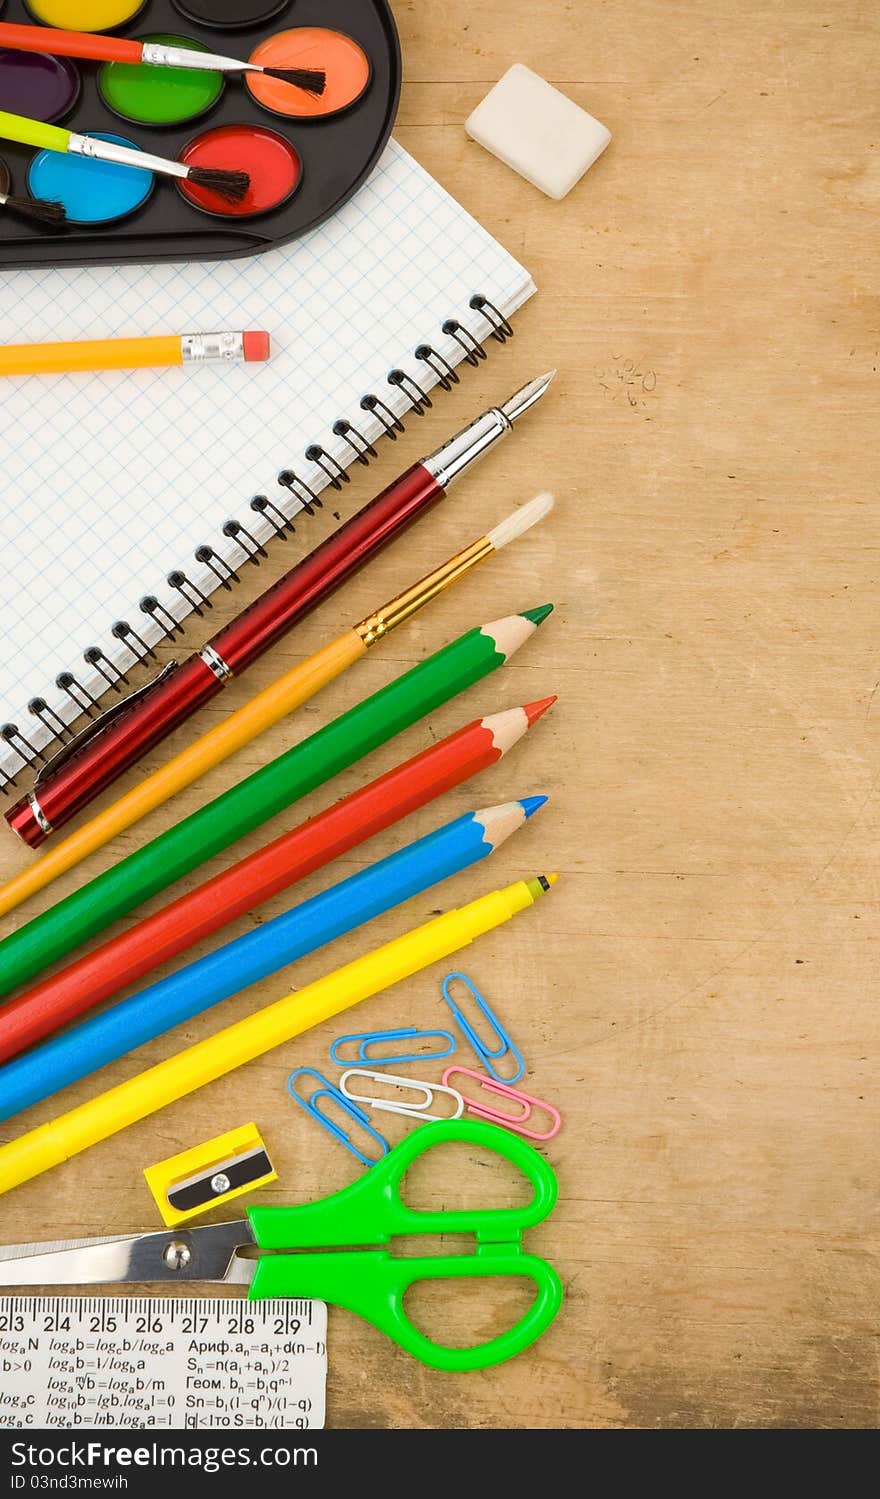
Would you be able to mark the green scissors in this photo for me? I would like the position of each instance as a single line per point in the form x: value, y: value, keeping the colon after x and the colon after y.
x: 370, y: 1282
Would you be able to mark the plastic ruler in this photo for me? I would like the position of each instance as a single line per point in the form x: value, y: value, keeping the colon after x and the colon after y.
x: 181, y: 1363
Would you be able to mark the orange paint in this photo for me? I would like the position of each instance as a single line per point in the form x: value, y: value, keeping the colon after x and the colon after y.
x: 340, y: 57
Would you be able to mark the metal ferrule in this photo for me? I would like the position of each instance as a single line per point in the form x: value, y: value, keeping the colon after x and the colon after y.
x: 39, y: 815
x: 161, y: 55
x: 124, y: 156
x: 466, y: 447
x: 386, y: 619
x: 215, y: 663
x: 202, y: 348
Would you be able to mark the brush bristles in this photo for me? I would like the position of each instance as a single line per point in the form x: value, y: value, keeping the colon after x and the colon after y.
x: 40, y: 209
x: 231, y: 185
x: 521, y: 520
x: 310, y: 80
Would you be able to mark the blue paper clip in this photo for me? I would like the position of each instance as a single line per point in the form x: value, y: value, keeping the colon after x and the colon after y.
x: 367, y: 1039
x: 326, y: 1089
x: 485, y: 1054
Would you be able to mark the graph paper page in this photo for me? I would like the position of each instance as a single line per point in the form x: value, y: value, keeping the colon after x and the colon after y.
x: 113, y: 480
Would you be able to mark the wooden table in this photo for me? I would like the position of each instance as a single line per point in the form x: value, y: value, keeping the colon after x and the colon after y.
x: 699, y: 994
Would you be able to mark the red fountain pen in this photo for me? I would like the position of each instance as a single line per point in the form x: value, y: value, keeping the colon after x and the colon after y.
x: 106, y: 749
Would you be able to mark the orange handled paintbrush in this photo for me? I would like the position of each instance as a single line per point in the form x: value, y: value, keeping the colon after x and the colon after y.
x: 159, y: 54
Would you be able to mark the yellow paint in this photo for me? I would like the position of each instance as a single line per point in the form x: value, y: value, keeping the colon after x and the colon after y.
x: 84, y: 15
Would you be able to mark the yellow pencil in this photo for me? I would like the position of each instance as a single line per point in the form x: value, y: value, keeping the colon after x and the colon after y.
x: 264, y: 710
x: 208, y: 1060
x: 133, y: 353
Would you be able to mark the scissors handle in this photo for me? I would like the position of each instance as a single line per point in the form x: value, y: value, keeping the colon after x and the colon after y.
x: 371, y: 1210
x: 374, y: 1283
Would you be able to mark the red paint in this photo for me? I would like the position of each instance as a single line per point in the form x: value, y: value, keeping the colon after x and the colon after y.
x: 274, y: 166
x: 191, y: 918
x: 252, y: 632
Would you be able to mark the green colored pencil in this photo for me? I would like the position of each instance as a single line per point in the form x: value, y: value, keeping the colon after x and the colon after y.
x: 262, y: 795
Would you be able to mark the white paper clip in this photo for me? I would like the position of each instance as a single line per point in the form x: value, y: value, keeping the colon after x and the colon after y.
x: 416, y: 1110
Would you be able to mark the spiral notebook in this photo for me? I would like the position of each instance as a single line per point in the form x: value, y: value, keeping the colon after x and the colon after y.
x: 115, y: 483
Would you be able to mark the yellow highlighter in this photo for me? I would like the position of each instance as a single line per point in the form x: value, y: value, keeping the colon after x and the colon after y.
x: 134, y: 353
x: 97, y: 1120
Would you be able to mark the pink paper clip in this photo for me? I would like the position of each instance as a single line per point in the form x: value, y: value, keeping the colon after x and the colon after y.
x: 516, y: 1122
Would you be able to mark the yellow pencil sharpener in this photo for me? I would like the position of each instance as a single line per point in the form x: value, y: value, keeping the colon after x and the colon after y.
x: 202, y: 1178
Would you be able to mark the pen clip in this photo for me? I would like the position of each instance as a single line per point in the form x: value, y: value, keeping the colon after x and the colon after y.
x: 98, y: 726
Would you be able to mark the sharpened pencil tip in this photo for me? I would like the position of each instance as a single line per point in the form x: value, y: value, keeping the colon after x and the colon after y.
x: 534, y: 711
x: 537, y: 616
x: 531, y: 804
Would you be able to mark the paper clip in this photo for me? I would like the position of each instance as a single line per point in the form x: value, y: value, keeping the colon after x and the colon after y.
x: 485, y: 1054
x: 367, y: 1039
x: 326, y: 1089
x: 393, y: 1106
x: 516, y: 1122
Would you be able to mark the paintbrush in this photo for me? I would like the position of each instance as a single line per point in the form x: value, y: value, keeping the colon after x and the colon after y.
x: 229, y: 184
x: 158, y: 54
x: 39, y: 209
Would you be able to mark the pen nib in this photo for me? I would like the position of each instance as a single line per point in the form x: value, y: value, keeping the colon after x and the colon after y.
x: 522, y: 400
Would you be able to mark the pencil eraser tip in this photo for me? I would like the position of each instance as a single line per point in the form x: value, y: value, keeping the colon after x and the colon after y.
x: 257, y: 347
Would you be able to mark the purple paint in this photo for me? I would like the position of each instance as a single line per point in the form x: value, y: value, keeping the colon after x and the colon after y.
x: 44, y: 88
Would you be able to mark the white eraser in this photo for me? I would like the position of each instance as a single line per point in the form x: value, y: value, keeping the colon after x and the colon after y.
x: 539, y: 132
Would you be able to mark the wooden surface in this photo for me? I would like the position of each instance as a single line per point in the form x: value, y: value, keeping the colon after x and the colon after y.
x: 698, y: 996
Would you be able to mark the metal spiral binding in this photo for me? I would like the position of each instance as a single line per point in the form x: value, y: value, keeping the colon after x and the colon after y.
x: 181, y: 582
x: 421, y: 401
x: 49, y: 718
x: 254, y: 550
x: 444, y: 371
x: 308, y: 500
x: 157, y: 612
x: 328, y: 465
x: 79, y: 695
x: 123, y: 631
x: 281, y: 524
x: 209, y: 558
x: 111, y: 673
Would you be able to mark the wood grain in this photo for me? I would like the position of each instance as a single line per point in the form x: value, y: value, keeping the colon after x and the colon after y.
x: 698, y: 995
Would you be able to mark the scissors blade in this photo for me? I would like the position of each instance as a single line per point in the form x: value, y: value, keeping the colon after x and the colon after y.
x: 210, y: 1253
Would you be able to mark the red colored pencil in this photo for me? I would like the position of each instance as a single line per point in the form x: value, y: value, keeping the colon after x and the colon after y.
x: 311, y: 845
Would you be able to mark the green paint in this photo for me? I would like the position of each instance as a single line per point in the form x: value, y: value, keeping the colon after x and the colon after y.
x: 156, y: 95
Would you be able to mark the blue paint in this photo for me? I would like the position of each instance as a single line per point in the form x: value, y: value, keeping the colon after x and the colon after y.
x: 93, y: 192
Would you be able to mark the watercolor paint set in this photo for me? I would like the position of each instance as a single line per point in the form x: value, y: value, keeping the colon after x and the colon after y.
x: 305, y: 149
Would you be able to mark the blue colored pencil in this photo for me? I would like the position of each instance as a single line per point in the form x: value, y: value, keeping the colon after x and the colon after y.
x: 179, y: 997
